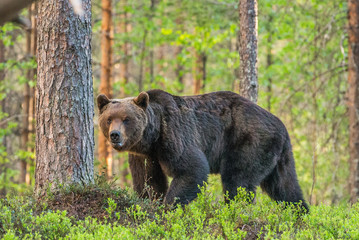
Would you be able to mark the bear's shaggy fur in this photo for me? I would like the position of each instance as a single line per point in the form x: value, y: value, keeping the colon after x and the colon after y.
x: 189, y: 137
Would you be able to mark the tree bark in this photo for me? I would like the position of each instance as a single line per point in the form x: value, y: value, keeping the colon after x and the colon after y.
x: 104, y: 149
x: 64, y: 104
x: 248, y: 49
x: 353, y: 98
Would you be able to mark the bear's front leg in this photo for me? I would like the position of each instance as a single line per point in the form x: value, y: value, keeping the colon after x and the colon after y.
x: 189, y: 172
x: 146, y: 171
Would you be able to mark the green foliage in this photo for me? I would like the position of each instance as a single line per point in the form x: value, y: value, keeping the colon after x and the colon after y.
x: 13, y: 77
x: 204, y: 218
x: 303, y: 83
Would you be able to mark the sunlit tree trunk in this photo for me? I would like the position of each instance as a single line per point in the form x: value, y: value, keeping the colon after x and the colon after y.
x: 104, y: 149
x: 27, y: 105
x: 248, y: 33
x: 31, y: 113
x: 64, y: 96
x: 353, y: 98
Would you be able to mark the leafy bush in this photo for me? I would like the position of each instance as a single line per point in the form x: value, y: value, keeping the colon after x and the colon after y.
x: 121, y: 215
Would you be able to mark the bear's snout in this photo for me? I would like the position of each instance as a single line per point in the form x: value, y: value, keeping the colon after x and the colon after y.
x: 115, y: 136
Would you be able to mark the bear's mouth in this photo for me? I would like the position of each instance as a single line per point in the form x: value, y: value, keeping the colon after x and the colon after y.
x: 117, y: 145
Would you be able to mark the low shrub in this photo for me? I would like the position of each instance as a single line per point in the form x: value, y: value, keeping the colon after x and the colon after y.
x: 104, y: 212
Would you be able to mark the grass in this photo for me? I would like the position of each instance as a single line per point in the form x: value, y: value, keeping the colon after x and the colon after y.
x: 102, y: 211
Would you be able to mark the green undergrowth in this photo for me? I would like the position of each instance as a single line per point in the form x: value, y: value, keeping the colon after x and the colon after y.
x: 106, y: 212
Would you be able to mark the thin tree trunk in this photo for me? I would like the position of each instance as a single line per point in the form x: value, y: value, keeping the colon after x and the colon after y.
x: 64, y: 104
x: 269, y: 60
x: 248, y: 49
x: 104, y: 149
x: 204, y: 70
x: 151, y: 56
x: 124, y: 28
x: 31, y: 113
x: 179, y: 71
x: 353, y: 98
x: 199, y: 72
x: 2, y: 77
x: 26, y: 108
x: 143, y: 50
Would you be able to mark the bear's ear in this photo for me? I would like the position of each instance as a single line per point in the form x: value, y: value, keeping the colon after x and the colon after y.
x: 102, y: 101
x: 142, y: 100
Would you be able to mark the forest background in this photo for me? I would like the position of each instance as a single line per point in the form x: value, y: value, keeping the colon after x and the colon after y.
x: 190, y: 47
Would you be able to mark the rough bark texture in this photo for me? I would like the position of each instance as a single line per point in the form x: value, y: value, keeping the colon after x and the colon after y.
x: 104, y: 149
x: 248, y: 49
x: 64, y: 104
x: 353, y: 98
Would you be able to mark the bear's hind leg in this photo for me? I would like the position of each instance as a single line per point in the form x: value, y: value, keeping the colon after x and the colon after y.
x: 282, y: 185
x: 235, y: 174
x: 148, y: 172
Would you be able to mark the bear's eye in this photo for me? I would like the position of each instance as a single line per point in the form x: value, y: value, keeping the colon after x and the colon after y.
x: 109, y: 121
x: 126, y: 120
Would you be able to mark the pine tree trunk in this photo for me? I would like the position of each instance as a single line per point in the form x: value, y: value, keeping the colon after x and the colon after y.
x: 64, y: 103
x: 353, y: 98
x: 25, y: 109
x: 2, y: 77
x: 104, y: 149
x: 27, y: 119
x: 31, y: 112
x: 248, y: 49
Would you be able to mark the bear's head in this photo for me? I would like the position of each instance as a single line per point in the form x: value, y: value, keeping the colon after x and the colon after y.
x: 123, y: 121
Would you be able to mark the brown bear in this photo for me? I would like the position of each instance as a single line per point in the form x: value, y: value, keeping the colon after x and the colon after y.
x: 189, y: 137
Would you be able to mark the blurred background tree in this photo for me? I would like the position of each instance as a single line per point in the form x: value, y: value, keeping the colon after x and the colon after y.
x: 189, y: 47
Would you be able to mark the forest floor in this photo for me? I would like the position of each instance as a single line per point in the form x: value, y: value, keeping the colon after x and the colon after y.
x: 102, y: 211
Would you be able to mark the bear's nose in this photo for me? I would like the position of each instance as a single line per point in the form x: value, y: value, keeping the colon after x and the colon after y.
x: 115, y: 136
